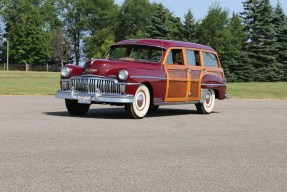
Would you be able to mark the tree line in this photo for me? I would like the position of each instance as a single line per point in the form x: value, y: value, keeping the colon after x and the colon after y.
x: 252, y: 44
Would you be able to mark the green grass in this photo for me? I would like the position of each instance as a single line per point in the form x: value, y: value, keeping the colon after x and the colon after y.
x: 28, y: 83
x: 43, y: 83
x: 267, y: 90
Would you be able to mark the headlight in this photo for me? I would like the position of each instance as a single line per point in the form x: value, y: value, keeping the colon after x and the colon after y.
x: 123, y: 75
x: 65, y: 72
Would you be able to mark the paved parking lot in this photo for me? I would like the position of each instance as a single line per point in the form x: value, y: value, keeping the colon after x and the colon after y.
x: 242, y: 146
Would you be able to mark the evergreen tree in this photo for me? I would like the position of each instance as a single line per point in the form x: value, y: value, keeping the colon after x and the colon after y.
x: 158, y: 27
x: 235, y: 58
x: 174, y: 25
x: 280, y: 22
x: 163, y: 24
x: 188, y: 30
x: 262, y: 43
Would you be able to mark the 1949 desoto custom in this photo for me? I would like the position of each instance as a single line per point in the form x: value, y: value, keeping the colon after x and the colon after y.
x: 142, y: 74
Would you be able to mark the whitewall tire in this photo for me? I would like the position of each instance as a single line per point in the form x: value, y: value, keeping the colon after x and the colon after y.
x: 139, y: 108
x: 207, y: 106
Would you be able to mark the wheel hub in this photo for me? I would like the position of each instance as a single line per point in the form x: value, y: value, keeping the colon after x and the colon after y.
x: 207, y: 99
x: 140, y: 101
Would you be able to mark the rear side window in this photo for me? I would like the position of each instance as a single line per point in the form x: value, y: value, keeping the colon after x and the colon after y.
x: 209, y: 59
x: 192, y: 57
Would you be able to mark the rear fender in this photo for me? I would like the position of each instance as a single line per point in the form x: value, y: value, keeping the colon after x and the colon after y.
x: 215, y: 82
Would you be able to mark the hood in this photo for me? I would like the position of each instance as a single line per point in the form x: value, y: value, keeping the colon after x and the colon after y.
x: 104, y: 67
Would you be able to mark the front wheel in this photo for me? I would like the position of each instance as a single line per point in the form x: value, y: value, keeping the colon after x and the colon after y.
x: 207, y: 106
x: 76, y: 108
x: 139, y: 108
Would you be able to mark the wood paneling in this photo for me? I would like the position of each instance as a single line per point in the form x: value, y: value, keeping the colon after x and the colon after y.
x: 195, y: 74
x: 175, y: 73
x: 194, y: 89
x: 177, y: 89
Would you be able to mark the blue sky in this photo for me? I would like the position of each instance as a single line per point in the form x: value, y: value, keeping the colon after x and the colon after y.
x: 199, y: 8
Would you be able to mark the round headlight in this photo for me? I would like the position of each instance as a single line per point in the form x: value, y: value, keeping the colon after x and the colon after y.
x: 65, y: 72
x: 123, y: 75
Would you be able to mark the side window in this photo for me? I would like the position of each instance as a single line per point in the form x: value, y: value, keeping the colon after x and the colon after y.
x: 193, y: 57
x: 169, y: 58
x: 209, y: 59
x: 175, y: 57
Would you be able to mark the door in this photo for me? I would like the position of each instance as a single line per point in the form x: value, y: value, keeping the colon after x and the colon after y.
x: 177, y: 76
x: 196, y: 70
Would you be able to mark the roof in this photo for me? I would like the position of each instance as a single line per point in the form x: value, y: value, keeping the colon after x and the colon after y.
x: 164, y: 43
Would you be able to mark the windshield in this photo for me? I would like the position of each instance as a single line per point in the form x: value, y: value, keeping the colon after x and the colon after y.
x: 139, y: 53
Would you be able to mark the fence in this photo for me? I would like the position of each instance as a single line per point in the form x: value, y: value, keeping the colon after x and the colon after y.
x: 23, y: 67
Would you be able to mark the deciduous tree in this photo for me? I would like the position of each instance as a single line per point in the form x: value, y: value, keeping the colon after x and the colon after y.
x: 25, y: 29
x: 61, y: 45
x: 134, y: 16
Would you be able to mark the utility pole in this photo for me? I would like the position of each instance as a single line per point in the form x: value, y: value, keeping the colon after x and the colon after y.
x: 7, y: 55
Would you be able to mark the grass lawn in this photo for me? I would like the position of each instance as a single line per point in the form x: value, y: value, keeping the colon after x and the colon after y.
x: 28, y: 83
x: 266, y: 90
x: 43, y: 83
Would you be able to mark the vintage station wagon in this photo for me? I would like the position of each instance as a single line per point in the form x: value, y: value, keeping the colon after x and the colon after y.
x: 142, y: 74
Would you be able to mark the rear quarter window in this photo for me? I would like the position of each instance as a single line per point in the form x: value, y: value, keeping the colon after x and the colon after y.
x: 209, y: 59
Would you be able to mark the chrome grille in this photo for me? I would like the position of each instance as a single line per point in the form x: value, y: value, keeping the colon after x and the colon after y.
x: 92, y: 85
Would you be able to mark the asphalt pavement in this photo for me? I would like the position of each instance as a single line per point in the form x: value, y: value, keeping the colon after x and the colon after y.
x: 242, y: 146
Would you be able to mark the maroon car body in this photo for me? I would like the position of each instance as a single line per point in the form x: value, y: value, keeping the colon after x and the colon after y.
x: 142, y: 74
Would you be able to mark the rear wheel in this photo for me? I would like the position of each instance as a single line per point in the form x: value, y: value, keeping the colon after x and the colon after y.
x: 76, y: 108
x: 139, y: 108
x: 207, y: 106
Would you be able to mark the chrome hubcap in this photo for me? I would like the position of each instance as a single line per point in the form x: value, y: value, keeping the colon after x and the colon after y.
x: 208, y: 99
x: 140, y: 101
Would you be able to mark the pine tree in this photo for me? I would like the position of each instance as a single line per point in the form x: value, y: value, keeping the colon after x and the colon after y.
x: 235, y: 58
x: 188, y: 30
x: 157, y: 28
x: 283, y: 49
x: 280, y: 22
x: 261, y: 40
x: 174, y: 25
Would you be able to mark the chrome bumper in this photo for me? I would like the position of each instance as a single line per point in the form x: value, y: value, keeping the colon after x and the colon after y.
x: 95, y: 97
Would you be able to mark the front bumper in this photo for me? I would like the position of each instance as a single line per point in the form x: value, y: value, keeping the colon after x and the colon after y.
x: 95, y: 97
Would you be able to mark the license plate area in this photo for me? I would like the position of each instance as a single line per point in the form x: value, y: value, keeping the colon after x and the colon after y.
x: 85, y: 99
